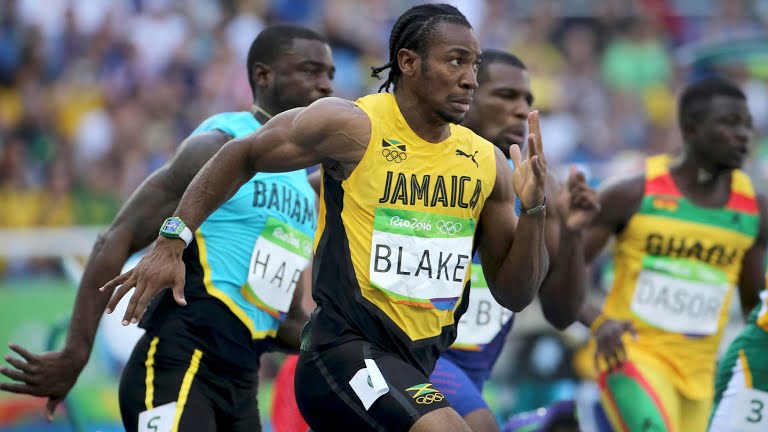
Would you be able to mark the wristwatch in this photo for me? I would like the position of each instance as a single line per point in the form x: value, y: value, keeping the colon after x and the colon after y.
x: 535, y: 210
x: 174, y: 227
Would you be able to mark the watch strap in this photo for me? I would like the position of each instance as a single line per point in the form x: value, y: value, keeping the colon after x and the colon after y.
x: 186, y: 235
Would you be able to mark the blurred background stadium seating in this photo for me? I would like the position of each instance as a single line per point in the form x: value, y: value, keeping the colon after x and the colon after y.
x: 96, y: 94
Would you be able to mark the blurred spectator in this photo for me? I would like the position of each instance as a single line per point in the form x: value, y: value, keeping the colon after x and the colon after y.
x: 637, y: 60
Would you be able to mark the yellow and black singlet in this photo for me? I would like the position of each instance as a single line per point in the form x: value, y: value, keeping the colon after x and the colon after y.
x: 395, y: 240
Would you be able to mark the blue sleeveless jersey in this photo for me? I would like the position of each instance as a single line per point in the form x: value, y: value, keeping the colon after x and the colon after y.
x: 246, y: 247
x: 476, y: 351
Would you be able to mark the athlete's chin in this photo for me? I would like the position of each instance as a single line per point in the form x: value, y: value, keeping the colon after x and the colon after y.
x: 453, y: 117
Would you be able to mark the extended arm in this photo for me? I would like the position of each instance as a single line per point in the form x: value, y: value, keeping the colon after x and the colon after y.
x: 330, y: 131
x: 752, y: 277
x: 53, y: 374
x: 563, y: 290
x: 618, y: 202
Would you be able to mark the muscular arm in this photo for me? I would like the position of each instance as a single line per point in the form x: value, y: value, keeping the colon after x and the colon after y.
x: 752, y: 277
x: 618, y: 202
x: 562, y: 292
x: 513, y: 253
x: 132, y: 230
x: 330, y: 131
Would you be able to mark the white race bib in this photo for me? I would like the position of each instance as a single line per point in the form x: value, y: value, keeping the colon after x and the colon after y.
x: 158, y: 419
x: 484, y: 317
x: 280, y: 255
x: 680, y: 296
x: 420, y: 258
x: 750, y: 411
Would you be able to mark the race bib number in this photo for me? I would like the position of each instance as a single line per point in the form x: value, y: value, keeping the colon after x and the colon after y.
x: 680, y: 296
x: 280, y: 255
x: 484, y: 317
x: 750, y: 411
x: 158, y: 419
x: 419, y: 258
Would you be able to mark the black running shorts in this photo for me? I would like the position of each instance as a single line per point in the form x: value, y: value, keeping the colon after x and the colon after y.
x: 166, y: 382
x: 356, y: 387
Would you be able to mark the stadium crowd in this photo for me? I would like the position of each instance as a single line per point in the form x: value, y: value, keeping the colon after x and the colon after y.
x: 94, y: 95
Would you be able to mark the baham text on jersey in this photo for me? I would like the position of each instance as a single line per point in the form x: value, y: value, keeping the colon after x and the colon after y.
x: 431, y: 191
x: 272, y: 196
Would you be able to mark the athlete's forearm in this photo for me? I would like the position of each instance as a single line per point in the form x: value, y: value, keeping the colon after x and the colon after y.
x: 131, y: 231
x: 523, y: 270
x: 562, y: 292
x: 107, y: 258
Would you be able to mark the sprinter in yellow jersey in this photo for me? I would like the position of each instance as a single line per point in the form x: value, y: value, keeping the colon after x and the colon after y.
x: 687, y: 232
x: 408, y: 196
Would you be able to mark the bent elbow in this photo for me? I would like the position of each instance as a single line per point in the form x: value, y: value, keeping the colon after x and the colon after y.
x: 519, y: 302
x: 561, y: 312
x: 559, y: 321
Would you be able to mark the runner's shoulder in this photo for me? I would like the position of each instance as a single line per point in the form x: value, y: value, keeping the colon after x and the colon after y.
x: 335, y: 111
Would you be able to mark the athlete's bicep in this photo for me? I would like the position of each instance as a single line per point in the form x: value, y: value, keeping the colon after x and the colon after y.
x: 329, y: 130
x: 498, y: 221
x: 752, y: 277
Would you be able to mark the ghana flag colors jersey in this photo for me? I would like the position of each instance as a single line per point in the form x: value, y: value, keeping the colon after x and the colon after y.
x: 395, y: 239
x: 676, y: 266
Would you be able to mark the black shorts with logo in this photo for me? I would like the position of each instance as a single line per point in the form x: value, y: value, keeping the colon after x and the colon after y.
x: 331, y: 385
x: 170, y: 368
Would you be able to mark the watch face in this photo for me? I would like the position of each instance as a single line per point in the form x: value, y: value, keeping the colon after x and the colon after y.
x: 173, y: 226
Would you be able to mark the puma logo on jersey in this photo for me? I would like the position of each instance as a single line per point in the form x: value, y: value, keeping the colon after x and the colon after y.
x: 467, y: 155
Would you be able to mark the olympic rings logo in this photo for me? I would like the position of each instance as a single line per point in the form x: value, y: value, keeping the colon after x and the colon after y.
x: 429, y: 398
x: 448, y: 228
x: 394, y: 155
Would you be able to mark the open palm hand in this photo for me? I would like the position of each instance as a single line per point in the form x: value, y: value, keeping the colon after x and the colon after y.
x: 530, y: 173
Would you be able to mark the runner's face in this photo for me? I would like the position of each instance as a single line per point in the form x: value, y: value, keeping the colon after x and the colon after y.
x: 725, y: 134
x: 303, y: 74
x: 448, y: 76
x: 500, y: 107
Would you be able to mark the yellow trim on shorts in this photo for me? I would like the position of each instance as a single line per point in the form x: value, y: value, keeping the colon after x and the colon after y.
x: 745, y: 368
x: 185, y: 386
x: 149, y: 380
